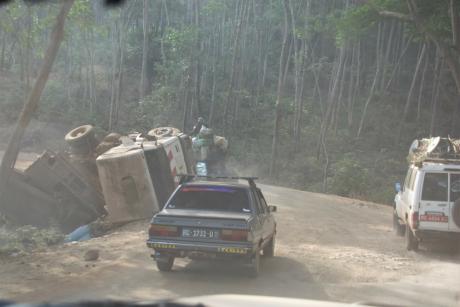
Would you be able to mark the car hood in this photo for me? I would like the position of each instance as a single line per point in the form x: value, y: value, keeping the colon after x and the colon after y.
x: 230, y: 300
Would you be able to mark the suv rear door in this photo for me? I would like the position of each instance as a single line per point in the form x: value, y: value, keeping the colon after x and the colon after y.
x: 434, y: 209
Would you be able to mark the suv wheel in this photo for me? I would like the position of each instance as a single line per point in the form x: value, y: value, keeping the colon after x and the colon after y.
x: 269, y: 249
x: 453, y: 246
x: 411, y: 240
x: 397, y: 227
x: 165, y: 264
x: 254, y: 268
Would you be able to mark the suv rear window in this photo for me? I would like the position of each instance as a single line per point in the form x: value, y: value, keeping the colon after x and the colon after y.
x: 214, y: 198
x: 435, y: 187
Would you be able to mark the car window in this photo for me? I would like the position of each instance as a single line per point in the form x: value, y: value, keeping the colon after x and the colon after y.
x: 262, y: 201
x: 435, y: 187
x: 259, y: 207
x: 214, y: 198
x: 454, y: 187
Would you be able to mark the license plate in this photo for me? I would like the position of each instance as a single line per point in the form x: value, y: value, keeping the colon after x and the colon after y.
x: 200, y: 233
x: 434, y: 218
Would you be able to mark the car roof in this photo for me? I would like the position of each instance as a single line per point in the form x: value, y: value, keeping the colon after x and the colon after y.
x: 220, y: 183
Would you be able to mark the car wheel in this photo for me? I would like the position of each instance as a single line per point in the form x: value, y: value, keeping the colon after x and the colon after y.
x: 411, y: 240
x: 397, y: 227
x: 255, y: 265
x: 165, y: 264
x: 269, y: 249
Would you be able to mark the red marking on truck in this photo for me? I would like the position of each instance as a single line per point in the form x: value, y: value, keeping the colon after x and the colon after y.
x: 170, y: 155
x: 434, y: 218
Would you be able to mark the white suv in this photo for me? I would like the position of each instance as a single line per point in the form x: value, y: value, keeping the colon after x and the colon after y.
x: 427, y: 207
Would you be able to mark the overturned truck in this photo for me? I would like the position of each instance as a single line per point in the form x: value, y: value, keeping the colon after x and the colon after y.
x: 121, y: 178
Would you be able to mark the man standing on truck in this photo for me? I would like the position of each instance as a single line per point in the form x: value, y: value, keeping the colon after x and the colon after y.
x: 217, y: 156
x: 197, y: 128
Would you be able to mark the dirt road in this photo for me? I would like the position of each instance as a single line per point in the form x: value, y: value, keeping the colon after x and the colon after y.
x: 328, y: 248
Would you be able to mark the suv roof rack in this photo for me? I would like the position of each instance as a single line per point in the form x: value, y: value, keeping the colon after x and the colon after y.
x: 184, y: 178
x: 439, y: 158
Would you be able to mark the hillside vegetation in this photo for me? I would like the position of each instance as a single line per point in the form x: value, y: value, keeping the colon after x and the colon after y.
x: 323, y: 96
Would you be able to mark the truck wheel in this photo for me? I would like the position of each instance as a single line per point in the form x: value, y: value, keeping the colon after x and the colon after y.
x: 255, y: 265
x: 269, y: 249
x: 165, y: 264
x: 411, y: 240
x: 162, y: 132
x: 81, y: 139
x: 397, y: 227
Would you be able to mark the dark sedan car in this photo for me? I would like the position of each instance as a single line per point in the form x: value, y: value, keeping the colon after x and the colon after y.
x: 214, y: 219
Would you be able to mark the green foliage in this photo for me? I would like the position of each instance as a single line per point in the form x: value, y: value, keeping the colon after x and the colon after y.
x: 356, y: 22
x: 350, y: 177
x: 27, y: 238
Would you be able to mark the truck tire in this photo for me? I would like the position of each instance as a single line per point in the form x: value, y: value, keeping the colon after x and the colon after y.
x: 411, y: 240
x: 162, y: 132
x: 254, y: 267
x: 269, y: 249
x: 79, y: 134
x: 165, y: 264
x: 456, y: 212
x: 397, y: 227
x: 81, y: 139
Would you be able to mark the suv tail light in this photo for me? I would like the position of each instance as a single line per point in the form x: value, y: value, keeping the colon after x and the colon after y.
x: 163, y: 231
x: 414, y: 220
x: 234, y: 235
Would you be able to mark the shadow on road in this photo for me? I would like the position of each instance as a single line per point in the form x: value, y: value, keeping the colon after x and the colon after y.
x: 440, y: 252
x: 279, y: 276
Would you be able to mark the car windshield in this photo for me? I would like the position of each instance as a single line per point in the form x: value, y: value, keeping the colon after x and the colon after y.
x: 212, y: 198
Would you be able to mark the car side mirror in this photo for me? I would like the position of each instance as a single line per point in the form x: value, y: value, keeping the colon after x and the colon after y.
x: 398, y: 187
x: 272, y: 208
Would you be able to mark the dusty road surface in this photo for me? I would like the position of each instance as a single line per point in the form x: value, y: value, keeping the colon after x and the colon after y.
x: 328, y: 248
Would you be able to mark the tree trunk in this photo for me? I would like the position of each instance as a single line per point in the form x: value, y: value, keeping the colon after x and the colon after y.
x: 2, y: 55
x: 421, y: 88
x: 145, y: 44
x: 435, y: 92
x: 232, y: 67
x: 374, y: 83
x: 411, y: 91
x: 282, y: 64
x: 12, y: 150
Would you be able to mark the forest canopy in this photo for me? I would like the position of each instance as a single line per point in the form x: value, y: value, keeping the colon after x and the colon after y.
x: 319, y: 95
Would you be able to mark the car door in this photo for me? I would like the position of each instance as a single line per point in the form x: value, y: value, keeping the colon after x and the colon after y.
x: 454, y: 194
x: 269, y: 225
x: 434, y: 204
x: 259, y: 216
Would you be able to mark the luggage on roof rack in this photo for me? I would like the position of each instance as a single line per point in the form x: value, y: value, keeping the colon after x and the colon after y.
x: 436, y: 149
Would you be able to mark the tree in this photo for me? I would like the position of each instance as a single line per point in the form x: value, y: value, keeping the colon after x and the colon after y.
x: 31, y: 105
